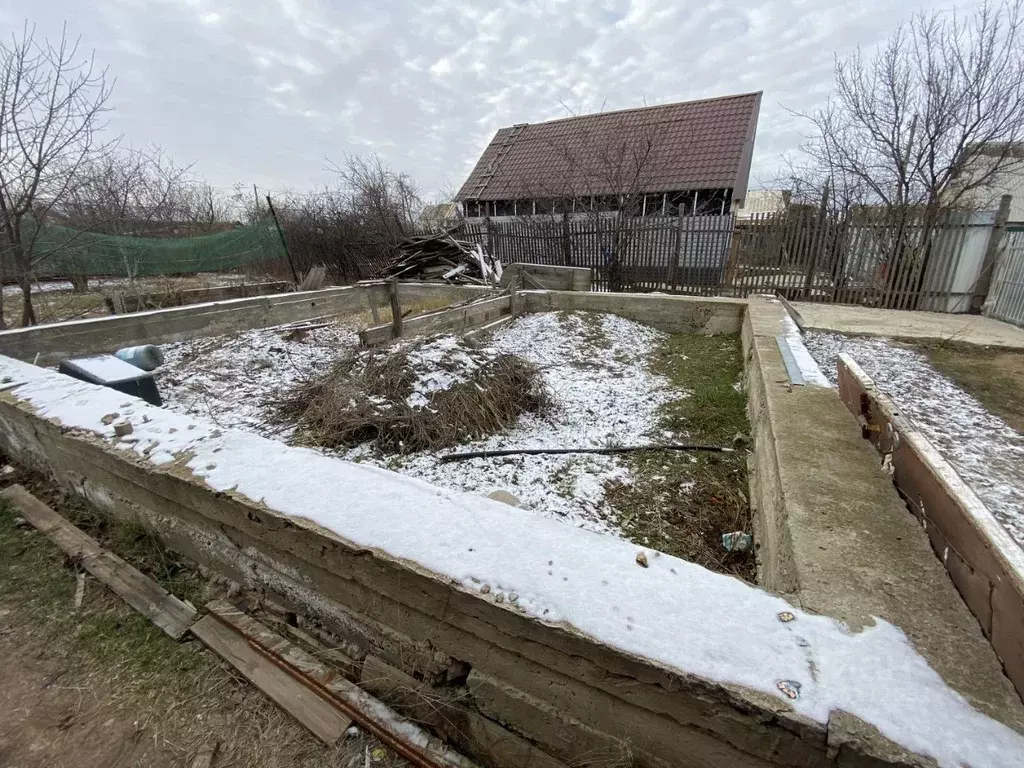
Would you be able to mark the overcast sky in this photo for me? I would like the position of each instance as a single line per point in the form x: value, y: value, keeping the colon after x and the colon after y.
x: 264, y: 90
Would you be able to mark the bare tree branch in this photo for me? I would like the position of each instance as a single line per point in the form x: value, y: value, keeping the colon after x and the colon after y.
x: 930, y: 120
x: 52, y: 104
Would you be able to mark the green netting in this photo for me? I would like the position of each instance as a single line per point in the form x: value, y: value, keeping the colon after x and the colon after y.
x: 63, y: 251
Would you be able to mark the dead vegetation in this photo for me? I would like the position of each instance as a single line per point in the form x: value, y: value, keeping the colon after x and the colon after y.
x: 682, y: 503
x: 97, y: 684
x: 381, y: 396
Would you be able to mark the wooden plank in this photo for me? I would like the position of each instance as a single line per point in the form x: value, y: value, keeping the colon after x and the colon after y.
x: 455, y: 319
x: 348, y: 699
x: 300, y: 701
x: 138, y: 590
x: 396, y: 310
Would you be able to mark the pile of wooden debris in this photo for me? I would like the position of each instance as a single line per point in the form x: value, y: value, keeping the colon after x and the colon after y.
x: 441, y: 256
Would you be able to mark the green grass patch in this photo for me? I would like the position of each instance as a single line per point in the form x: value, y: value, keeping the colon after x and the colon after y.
x: 681, y: 503
x: 37, y: 585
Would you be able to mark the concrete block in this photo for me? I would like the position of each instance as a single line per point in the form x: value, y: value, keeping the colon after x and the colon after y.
x: 835, y: 534
x: 546, y: 277
x: 673, y: 314
x: 446, y: 711
x: 655, y: 744
x: 853, y: 743
x: 418, y: 621
x: 55, y: 341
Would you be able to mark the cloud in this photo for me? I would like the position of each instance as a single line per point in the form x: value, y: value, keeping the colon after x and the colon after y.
x: 265, y: 90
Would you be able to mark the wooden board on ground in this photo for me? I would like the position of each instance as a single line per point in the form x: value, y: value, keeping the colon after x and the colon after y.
x: 404, y: 737
x: 303, y: 703
x: 138, y: 590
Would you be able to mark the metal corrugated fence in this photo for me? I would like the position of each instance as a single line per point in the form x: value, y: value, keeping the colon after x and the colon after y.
x: 1006, y: 294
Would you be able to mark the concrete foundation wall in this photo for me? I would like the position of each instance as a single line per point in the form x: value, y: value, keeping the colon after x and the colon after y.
x: 673, y: 314
x: 548, y: 278
x: 531, y: 686
x: 83, y: 337
x: 834, y: 536
x: 445, y: 321
x: 165, y: 299
x: 984, y: 563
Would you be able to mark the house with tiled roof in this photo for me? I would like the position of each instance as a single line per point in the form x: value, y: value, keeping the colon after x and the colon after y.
x: 691, y: 157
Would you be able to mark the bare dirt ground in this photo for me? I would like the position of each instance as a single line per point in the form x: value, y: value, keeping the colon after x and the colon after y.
x: 99, y: 686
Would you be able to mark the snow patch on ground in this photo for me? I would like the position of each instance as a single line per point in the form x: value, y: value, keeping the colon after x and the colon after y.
x: 595, y: 367
x: 986, y: 452
x: 675, y: 613
x: 440, y: 364
x: 808, y: 366
x: 230, y: 380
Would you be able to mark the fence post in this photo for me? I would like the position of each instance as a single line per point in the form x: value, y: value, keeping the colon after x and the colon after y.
x: 816, y: 242
x: 566, y: 240
x: 396, y: 310
x: 679, y: 248
x: 489, y: 225
x: 988, y: 264
x: 284, y: 242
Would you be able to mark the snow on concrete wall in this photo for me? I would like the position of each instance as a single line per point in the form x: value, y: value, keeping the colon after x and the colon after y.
x: 545, y: 588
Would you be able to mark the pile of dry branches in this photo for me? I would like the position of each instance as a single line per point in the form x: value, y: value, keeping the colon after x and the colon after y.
x: 368, y: 396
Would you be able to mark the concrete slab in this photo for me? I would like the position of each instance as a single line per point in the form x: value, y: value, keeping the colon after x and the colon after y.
x: 673, y: 314
x: 867, y: 321
x: 835, y: 536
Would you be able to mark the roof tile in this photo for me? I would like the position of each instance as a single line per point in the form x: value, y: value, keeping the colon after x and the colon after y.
x: 690, y: 145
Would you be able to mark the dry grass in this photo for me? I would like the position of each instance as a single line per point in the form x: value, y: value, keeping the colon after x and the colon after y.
x: 117, y: 674
x: 682, y: 503
x: 992, y: 375
x: 366, y: 397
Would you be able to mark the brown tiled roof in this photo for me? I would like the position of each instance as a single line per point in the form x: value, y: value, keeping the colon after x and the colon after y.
x: 705, y: 144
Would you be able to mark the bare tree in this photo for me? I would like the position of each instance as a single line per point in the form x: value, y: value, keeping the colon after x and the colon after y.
x: 599, y: 173
x: 144, y: 193
x: 378, y: 198
x: 52, y: 104
x: 928, y: 120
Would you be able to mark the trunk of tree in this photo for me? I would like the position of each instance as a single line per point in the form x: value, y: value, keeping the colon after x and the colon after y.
x: 3, y: 321
x: 28, y: 313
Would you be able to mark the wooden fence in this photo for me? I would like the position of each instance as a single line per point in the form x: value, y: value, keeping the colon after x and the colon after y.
x: 685, y: 254
x: 864, y: 257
